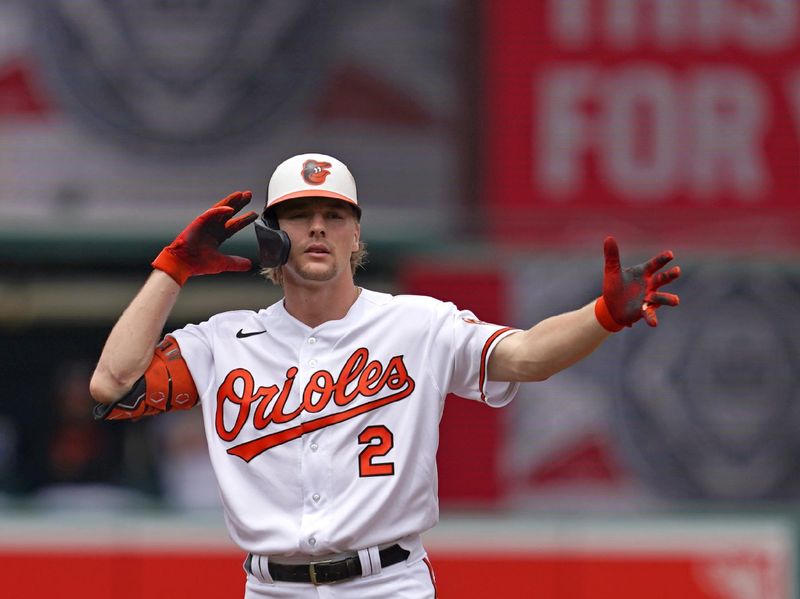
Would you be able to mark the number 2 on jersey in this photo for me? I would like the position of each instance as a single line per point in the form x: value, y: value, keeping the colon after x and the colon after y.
x: 385, y: 442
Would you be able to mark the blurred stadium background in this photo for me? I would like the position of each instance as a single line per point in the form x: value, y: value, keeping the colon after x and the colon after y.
x: 495, y: 145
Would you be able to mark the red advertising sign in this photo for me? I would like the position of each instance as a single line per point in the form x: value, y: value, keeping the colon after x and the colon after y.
x: 714, y: 558
x: 473, y: 557
x: 675, y: 120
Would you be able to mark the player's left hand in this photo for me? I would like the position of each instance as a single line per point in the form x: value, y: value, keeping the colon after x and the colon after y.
x: 631, y: 293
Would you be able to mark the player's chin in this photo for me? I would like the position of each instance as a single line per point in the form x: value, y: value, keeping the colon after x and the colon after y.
x: 317, y: 272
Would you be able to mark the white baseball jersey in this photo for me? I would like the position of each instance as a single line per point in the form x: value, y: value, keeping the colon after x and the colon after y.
x: 323, y: 440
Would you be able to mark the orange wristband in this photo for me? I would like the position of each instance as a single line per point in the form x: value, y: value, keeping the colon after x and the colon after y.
x: 167, y: 262
x: 604, y: 316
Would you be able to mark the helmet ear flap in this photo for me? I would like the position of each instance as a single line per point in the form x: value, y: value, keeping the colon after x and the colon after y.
x: 274, y: 245
x: 270, y: 217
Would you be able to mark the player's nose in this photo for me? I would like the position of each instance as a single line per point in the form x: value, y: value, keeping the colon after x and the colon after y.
x: 316, y: 224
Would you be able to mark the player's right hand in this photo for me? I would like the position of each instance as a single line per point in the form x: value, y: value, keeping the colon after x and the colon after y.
x: 196, y: 250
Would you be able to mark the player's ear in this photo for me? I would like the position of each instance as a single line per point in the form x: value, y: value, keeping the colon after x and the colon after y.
x: 356, y: 238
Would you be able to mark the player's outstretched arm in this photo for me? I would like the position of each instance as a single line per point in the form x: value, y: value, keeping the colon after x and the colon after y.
x: 629, y: 295
x: 130, y: 345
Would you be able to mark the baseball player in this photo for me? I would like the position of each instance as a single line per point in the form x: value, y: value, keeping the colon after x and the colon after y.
x: 321, y: 411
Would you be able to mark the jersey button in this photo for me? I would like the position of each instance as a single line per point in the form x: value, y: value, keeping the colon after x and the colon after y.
x: 312, y: 362
x: 312, y: 340
x: 315, y: 497
x: 312, y: 541
x: 314, y: 447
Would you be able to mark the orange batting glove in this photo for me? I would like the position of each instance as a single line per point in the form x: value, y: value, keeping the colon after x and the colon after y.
x: 631, y: 293
x: 196, y: 250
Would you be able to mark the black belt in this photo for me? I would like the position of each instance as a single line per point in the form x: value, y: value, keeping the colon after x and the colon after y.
x: 328, y: 571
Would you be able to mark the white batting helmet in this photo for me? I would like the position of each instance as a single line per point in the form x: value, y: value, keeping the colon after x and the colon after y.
x: 316, y: 175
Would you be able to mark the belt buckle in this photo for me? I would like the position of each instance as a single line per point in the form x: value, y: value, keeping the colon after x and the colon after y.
x: 312, y: 572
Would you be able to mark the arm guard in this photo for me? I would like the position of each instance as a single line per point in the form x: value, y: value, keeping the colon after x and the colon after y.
x: 166, y: 385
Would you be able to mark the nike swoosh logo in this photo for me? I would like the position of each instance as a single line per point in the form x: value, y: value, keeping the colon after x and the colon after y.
x: 241, y: 334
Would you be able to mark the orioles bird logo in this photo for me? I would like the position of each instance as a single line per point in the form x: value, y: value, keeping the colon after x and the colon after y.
x: 473, y: 321
x: 315, y: 172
